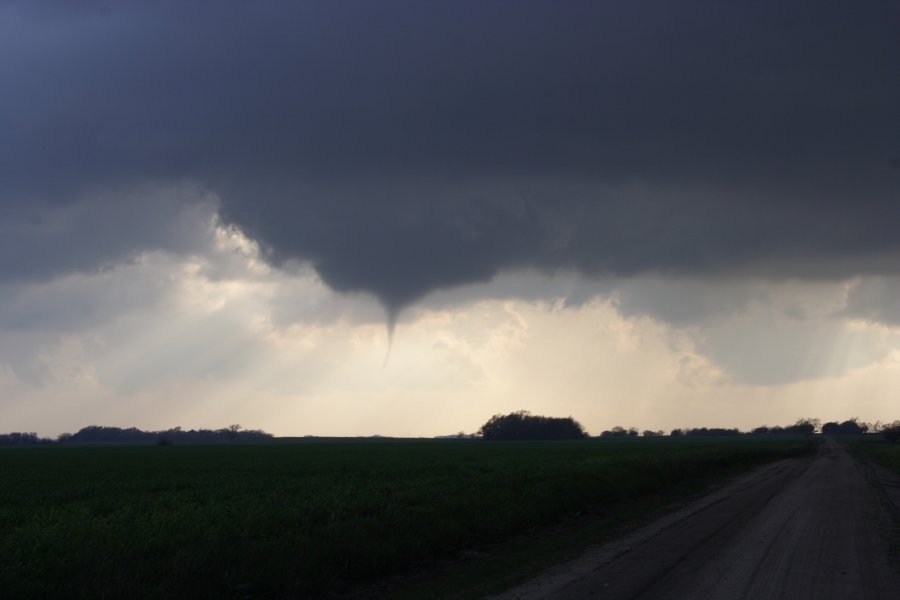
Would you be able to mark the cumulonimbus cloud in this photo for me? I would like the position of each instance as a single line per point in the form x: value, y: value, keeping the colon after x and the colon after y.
x: 402, y: 147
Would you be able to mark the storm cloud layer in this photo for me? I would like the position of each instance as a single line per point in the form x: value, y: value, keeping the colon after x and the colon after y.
x: 402, y: 146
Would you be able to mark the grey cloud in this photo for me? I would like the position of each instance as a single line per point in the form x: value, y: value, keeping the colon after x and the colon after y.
x: 763, y: 332
x: 298, y: 296
x: 687, y: 302
x: 40, y: 240
x: 875, y: 299
x: 758, y: 350
x: 404, y: 147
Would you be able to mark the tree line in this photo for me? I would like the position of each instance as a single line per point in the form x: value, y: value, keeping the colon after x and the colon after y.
x: 20, y: 438
x: 853, y: 426
x: 132, y: 435
x: 522, y: 425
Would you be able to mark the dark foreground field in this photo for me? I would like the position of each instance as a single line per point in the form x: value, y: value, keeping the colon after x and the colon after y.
x: 306, y: 519
x: 815, y: 527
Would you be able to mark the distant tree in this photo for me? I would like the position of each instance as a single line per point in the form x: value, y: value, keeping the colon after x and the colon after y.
x: 815, y: 422
x: 619, y: 431
x: 649, y: 433
x: 677, y: 433
x: 803, y: 427
x: 18, y: 438
x: 891, y: 432
x: 522, y: 425
x: 615, y: 432
x: 132, y: 435
x: 711, y: 432
x: 97, y: 433
x: 848, y: 427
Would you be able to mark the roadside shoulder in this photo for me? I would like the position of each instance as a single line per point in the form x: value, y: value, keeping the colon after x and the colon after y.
x: 888, y: 482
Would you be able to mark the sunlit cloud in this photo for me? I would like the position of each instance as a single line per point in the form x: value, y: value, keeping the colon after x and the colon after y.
x: 220, y: 335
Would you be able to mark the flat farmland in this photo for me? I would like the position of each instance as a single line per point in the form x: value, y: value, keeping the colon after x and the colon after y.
x: 307, y: 519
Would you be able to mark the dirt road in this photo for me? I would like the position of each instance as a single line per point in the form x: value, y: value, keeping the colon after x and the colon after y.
x: 803, y: 528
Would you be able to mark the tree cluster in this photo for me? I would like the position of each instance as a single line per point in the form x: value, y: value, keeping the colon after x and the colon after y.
x: 801, y: 427
x: 848, y: 427
x: 17, y: 438
x: 522, y: 425
x: 620, y: 432
x: 704, y: 432
x: 651, y: 433
x: 891, y: 432
x: 133, y: 435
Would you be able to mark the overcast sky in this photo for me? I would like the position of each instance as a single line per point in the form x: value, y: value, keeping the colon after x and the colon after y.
x: 632, y: 212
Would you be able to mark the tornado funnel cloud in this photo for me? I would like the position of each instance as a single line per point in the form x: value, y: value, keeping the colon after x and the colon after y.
x: 391, y: 323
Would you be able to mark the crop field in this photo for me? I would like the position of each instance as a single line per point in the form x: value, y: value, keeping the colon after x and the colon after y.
x: 305, y: 519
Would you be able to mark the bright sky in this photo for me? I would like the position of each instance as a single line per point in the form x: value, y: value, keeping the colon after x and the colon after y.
x: 221, y: 337
x: 641, y: 214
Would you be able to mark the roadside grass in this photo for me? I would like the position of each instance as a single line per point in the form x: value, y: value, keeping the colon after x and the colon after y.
x: 875, y: 447
x: 307, y: 520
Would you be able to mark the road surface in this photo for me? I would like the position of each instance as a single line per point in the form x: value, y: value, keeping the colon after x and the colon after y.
x: 802, y: 528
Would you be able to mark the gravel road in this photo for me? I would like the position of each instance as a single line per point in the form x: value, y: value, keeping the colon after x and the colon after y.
x: 803, y: 528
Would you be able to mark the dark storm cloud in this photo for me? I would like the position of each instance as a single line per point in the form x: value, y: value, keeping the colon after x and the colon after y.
x: 405, y: 146
x: 40, y: 239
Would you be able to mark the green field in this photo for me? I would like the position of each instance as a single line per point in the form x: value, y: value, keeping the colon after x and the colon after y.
x: 305, y: 519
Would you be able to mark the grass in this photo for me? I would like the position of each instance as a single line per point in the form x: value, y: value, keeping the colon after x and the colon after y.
x: 307, y: 519
x: 875, y: 447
